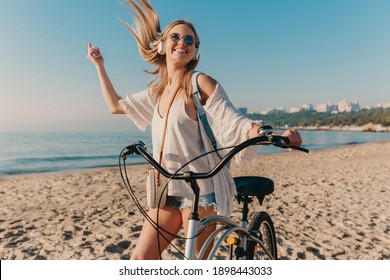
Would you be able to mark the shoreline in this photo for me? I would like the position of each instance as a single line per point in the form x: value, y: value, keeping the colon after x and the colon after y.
x: 70, y: 171
x: 5, y: 176
x: 347, y: 128
x: 328, y: 204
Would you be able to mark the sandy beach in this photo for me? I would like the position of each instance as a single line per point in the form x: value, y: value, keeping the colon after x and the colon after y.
x: 328, y: 204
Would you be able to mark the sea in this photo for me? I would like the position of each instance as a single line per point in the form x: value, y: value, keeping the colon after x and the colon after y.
x: 43, y: 149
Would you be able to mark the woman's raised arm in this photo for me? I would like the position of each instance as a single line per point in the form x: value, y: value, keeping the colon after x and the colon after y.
x: 110, y: 96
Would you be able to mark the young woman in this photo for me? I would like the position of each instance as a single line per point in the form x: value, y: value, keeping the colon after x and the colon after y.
x: 174, y: 53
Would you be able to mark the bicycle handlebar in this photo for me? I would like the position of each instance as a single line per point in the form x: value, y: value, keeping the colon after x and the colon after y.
x: 265, y: 139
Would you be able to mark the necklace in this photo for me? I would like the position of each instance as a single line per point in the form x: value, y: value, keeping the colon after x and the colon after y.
x: 169, y: 89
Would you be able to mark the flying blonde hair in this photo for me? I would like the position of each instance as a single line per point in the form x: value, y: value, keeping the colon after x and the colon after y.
x: 148, y: 35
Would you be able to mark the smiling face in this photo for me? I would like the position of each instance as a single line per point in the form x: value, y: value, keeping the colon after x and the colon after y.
x: 177, y: 50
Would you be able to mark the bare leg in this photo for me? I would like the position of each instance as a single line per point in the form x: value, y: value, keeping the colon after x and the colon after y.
x: 170, y: 219
x: 203, y: 212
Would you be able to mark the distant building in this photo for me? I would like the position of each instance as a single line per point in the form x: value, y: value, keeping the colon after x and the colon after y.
x: 332, y: 108
x: 327, y: 107
x: 345, y: 106
x: 322, y: 108
x: 270, y: 111
x: 383, y: 105
x: 295, y: 109
x: 243, y: 111
x: 355, y: 106
x: 264, y: 112
x: 307, y: 107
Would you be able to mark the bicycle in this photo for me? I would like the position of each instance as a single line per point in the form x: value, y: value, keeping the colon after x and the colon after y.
x: 256, y: 240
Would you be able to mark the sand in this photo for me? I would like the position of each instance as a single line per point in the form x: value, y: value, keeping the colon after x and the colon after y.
x: 328, y: 204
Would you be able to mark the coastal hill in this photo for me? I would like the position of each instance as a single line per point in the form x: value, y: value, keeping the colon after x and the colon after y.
x: 375, y: 119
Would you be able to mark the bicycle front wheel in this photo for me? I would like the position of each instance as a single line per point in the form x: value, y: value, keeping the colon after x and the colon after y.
x: 263, y: 228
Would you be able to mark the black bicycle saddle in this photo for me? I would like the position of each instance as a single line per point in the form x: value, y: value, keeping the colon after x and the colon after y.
x: 254, y: 186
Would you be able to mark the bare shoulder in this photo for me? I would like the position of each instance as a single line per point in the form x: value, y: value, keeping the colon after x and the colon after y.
x: 206, y: 86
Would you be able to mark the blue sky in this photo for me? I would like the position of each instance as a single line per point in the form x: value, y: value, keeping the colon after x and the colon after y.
x: 265, y: 53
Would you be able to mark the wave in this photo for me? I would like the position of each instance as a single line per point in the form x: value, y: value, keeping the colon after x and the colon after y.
x: 353, y: 143
x: 28, y: 165
x: 62, y: 158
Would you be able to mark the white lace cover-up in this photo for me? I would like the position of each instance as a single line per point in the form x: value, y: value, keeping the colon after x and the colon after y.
x: 183, y: 143
x: 229, y: 126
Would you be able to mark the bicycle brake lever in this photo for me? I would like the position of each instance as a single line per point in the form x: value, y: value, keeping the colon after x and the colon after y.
x: 131, y: 149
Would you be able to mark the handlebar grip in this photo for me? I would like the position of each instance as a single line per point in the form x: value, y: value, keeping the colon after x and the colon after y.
x: 278, y: 141
x: 285, y: 139
x: 299, y: 149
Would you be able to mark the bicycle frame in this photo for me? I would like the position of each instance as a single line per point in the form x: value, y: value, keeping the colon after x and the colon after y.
x: 195, y: 227
x: 194, y: 223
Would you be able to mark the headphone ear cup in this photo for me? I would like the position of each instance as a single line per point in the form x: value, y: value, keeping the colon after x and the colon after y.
x: 197, y: 54
x: 160, y: 48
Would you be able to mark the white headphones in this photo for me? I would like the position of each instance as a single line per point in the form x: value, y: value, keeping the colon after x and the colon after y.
x: 161, y: 50
x: 197, y: 54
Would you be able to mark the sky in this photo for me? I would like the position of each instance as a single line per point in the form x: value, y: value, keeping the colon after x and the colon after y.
x: 265, y: 53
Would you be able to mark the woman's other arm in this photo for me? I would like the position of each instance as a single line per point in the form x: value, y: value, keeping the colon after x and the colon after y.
x: 110, y: 96
x: 207, y: 87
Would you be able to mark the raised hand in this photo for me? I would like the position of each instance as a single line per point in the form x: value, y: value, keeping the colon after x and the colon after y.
x: 94, y: 55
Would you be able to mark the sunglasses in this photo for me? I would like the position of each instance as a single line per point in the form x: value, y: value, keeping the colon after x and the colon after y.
x: 188, y: 39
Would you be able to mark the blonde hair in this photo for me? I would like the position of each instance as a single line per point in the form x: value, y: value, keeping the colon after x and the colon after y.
x: 148, y: 35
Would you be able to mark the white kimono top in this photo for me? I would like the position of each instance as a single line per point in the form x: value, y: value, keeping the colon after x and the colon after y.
x: 229, y: 126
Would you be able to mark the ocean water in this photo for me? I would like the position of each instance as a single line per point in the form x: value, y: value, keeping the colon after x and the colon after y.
x: 39, y: 149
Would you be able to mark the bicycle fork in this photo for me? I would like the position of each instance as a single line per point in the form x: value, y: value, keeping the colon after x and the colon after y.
x: 193, y: 226
x: 193, y: 223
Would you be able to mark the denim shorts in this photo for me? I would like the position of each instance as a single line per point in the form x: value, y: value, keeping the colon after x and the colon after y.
x: 181, y: 202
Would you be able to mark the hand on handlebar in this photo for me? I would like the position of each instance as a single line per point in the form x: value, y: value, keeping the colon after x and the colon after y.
x: 293, y: 136
x: 283, y: 141
x: 289, y: 140
x: 290, y: 136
